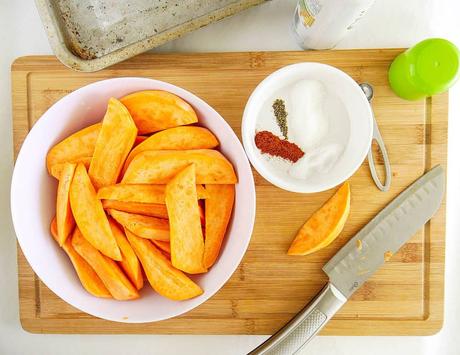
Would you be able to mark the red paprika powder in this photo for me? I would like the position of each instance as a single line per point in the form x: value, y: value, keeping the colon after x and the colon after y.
x: 268, y: 143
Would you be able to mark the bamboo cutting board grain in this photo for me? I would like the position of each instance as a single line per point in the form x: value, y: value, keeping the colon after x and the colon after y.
x: 404, y: 297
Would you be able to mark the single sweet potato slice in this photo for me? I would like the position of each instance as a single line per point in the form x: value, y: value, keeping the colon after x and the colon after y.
x: 218, y: 209
x: 163, y: 277
x: 129, y: 262
x: 116, y: 138
x: 88, y: 277
x: 139, y: 140
x: 177, y: 138
x: 109, y: 272
x: 64, y: 217
x: 143, y: 226
x: 90, y: 216
x: 155, y: 110
x: 163, y: 246
x: 324, y: 225
x: 133, y: 193
x: 56, y: 169
x: 140, y: 193
x: 160, y: 166
x: 146, y: 209
x: 187, y: 244
x: 75, y: 147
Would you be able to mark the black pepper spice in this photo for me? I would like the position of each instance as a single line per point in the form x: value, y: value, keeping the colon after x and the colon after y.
x: 279, y: 108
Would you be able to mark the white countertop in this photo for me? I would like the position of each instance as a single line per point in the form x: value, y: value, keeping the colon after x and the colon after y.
x: 390, y: 23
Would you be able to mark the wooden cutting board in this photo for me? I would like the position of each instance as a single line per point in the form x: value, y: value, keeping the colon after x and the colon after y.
x: 404, y: 297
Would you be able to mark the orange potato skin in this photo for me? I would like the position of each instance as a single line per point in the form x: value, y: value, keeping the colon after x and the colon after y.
x: 162, y: 276
x: 155, y: 110
x: 129, y: 262
x: 160, y: 166
x: 88, y: 277
x: 146, y: 209
x: 316, y: 233
x: 218, y: 210
x: 65, y: 221
x: 74, y: 148
x: 115, y: 140
x: 139, y: 140
x: 143, y: 193
x: 90, y: 216
x: 202, y: 218
x: 56, y: 169
x: 108, y: 271
x: 177, y: 138
x: 187, y: 243
x: 143, y: 226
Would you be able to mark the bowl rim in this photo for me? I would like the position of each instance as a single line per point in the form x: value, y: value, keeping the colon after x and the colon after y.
x: 247, y: 133
x: 250, y: 209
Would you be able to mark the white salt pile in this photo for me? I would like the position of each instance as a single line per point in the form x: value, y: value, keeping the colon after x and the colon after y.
x: 308, y: 123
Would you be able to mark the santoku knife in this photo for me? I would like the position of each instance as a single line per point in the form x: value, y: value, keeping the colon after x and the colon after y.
x: 359, y: 259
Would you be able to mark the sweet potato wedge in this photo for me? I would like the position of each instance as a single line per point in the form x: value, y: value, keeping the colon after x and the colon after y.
x: 163, y: 246
x: 116, y: 138
x: 64, y: 218
x: 129, y: 262
x: 146, y: 209
x: 160, y: 166
x: 75, y: 147
x: 140, y: 193
x: 88, y: 277
x: 56, y: 169
x: 90, y: 281
x: 108, y: 271
x: 155, y: 110
x: 218, y: 209
x: 177, y: 138
x: 324, y: 225
x: 90, y: 216
x: 163, y: 277
x: 143, y: 226
x: 187, y: 243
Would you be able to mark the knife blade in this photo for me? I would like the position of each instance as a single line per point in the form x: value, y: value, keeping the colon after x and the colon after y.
x: 386, y: 233
x: 363, y: 254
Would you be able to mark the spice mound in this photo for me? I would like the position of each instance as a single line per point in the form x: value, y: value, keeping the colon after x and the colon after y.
x: 268, y: 143
x: 279, y: 109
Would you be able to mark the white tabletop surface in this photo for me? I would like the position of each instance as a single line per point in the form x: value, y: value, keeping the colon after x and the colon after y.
x: 390, y: 23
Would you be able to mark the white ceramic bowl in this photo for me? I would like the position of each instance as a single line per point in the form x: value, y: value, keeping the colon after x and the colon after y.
x: 352, y: 99
x: 33, y: 194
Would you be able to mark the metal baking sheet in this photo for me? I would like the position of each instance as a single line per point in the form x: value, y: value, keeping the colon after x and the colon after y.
x: 89, y: 35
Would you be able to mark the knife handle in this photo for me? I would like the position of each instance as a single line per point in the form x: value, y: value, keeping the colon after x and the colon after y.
x: 305, y: 325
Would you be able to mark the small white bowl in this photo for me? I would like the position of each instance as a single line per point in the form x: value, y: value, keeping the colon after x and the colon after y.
x: 359, y: 115
x: 33, y: 201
